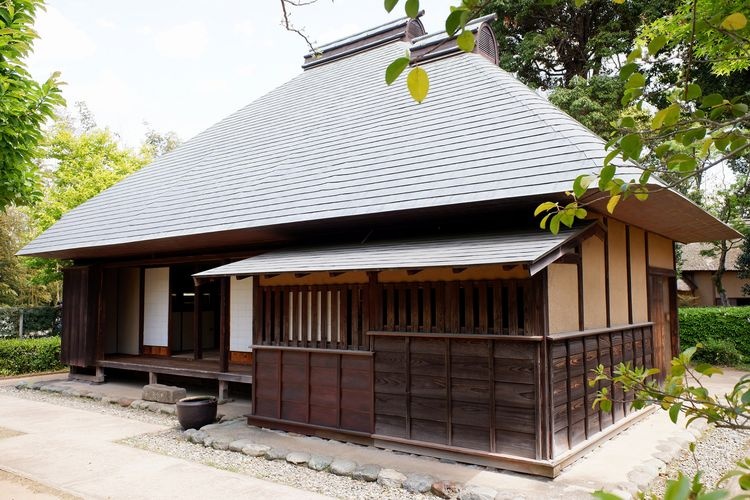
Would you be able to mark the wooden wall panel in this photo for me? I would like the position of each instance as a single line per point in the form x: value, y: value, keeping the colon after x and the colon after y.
x: 331, y: 389
x: 80, y: 315
x: 572, y: 359
x: 478, y: 394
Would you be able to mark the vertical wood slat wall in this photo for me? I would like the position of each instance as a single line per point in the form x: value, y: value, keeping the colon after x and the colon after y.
x: 80, y: 315
x: 478, y: 394
x: 573, y: 418
x: 339, y: 316
x: 323, y: 388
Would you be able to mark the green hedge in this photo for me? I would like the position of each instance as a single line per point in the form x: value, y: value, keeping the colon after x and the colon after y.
x: 710, y: 324
x: 19, y: 356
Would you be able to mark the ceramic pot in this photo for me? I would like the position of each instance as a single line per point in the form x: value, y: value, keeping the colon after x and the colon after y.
x: 196, y: 411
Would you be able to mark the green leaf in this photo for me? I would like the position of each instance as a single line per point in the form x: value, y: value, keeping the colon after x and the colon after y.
x: 543, y: 222
x: 627, y: 70
x: 635, y: 54
x: 390, y: 4
x: 636, y: 80
x: 603, y: 495
x: 395, y: 69
x: 418, y: 84
x: 606, y: 405
x: 657, y: 44
x: 606, y: 174
x: 677, y: 489
x: 412, y: 8
x: 554, y: 224
x: 455, y: 21
x: 631, y: 145
x: 734, y: 22
x: 745, y: 482
x: 694, y: 91
x: 544, y: 207
x: 612, y: 203
x: 712, y: 100
x: 465, y: 41
x: 581, y: 213
x: 674, y: 412
x: 581, y: 184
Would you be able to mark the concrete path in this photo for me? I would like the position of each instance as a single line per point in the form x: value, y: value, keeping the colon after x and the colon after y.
x: 74, y: 451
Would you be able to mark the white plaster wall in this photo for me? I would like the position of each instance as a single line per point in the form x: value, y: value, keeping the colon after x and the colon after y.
x: 156, y: 306
x: 241, y: 315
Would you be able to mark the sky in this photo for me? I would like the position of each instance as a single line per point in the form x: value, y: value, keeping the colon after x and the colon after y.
x: 183, y: 65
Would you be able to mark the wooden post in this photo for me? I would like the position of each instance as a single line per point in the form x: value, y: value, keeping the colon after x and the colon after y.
x: 152, y: 378
x: 197, y: 322
x: 224, y: 326
x: 223, y: 391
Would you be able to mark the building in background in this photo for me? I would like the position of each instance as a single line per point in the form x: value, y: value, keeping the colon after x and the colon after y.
x: 696, y: 285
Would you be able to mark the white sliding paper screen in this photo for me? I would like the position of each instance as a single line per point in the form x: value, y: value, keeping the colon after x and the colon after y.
x: 241, y: 315
x: 156, y: 306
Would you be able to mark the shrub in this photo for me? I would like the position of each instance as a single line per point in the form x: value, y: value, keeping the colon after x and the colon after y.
x: 709, y: 325
x: 19, y: 356
x: 719, y: 352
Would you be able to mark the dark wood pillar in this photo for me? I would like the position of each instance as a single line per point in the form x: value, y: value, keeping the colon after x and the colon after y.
x: 224, y: 326
x: 197, y: 322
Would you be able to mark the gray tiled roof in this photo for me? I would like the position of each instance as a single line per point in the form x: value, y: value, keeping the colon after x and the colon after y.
x: 336, y: 141
x: 508, y: 248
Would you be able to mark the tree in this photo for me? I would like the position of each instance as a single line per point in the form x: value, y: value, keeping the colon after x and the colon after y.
x: 157, y: 144
x: 79, y: 163
x: 25, y: 105
x: 690, y: 132
x: 547, y: 43
x: 595, y: 102
x: 16, y: 284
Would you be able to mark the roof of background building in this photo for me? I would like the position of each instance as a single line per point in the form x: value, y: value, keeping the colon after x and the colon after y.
x: 702, y: 257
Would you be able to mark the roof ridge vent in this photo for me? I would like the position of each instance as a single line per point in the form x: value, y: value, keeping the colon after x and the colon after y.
x: 405, y: 29
x: 437, y: 45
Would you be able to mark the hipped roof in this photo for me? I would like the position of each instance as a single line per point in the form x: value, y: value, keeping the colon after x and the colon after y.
x: 705, y: 257
x: 526, y: 247
x: 336, y: 142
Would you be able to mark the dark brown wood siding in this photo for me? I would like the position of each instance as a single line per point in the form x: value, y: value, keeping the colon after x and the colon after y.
x: 330, y: 389
x: 80, y: 315
x: 475, y: 393
x: 572, y: 357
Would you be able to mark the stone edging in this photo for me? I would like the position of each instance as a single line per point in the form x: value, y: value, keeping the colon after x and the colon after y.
x: 413, y: 483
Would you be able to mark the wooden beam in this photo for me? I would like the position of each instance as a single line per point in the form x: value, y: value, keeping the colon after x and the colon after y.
x: 333, y: 274
x: 412, y: 272
x: 459, y: 270
x: 197, y: 322
x: 270, y: 275
x: 301, y: 275
x: 224, y: 326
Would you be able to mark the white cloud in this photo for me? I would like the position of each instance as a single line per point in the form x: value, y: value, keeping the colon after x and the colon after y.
x: 247, y: 70
x: 60, y: 38
x: 183, y: 41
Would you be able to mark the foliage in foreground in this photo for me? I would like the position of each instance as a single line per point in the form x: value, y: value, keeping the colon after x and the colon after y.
x: 709, y: 325
x: 682, y: 392
x: 25, y: 105
x: 20, y: 356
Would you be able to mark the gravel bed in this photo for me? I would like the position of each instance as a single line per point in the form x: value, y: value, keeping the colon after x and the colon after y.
x: 91, y: 405
x: 716, y: 452
x: 172, y: 443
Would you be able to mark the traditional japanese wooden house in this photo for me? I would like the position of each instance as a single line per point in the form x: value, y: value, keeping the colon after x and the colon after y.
x: 371, y: 268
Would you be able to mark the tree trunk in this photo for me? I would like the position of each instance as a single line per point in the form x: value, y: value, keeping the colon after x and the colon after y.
x: 719, y: 274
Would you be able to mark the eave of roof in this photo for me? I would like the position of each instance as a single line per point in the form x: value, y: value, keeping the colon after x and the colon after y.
x: 526, y: 247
